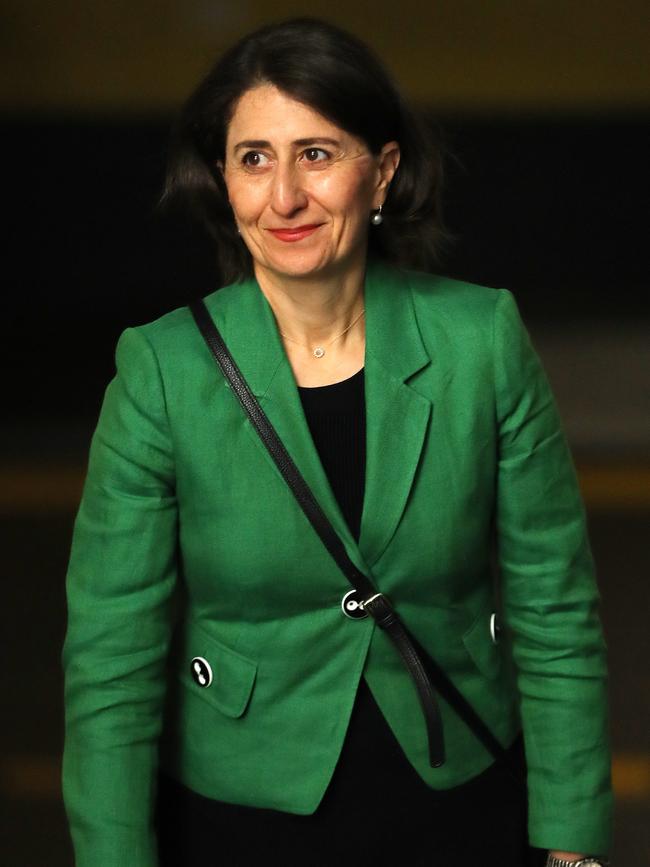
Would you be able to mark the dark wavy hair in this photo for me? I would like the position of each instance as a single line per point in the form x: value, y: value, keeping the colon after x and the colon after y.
x: 338, y: 76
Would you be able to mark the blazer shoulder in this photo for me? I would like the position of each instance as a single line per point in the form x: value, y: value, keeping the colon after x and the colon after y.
x: 461, y: 310
x: 175, y: 331
x: 448, y: 295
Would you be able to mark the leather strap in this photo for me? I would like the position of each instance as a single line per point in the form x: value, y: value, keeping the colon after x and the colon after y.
x: 424, y: 671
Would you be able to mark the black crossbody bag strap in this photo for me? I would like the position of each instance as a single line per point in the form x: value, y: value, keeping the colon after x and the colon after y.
x: 425, y: 672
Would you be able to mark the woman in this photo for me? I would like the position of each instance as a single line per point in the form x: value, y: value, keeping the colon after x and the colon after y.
x: 220, y: 707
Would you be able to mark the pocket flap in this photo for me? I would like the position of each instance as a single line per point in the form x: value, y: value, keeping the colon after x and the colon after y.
x: 480, y: 645
x: 223, y: 677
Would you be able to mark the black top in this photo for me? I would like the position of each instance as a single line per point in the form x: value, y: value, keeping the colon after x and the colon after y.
x: 336, y: 415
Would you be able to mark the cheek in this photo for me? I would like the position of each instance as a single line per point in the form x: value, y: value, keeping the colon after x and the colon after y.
x: 348, y: 196
x: 245, y: 200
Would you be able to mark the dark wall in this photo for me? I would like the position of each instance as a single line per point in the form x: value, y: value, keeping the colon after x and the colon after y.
x: 556, y: 210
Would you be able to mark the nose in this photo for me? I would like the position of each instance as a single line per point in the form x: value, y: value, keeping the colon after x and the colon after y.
x: 288, y: 195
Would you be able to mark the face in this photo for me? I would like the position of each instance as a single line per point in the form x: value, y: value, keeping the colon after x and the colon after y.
x: 302, y: 190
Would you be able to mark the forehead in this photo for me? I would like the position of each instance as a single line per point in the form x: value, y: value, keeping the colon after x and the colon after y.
x: 264, y: 112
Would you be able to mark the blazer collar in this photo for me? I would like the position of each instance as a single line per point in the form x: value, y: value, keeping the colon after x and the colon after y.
x: 396, y: 416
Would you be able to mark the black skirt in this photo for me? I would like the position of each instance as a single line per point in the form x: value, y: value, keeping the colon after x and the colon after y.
x: 376, y: 810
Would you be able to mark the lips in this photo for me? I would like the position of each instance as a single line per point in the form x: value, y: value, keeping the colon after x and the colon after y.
x: 296, y: 233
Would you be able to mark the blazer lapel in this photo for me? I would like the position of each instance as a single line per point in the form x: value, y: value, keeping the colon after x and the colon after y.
x: 248, y: 326
x: 396, y: 416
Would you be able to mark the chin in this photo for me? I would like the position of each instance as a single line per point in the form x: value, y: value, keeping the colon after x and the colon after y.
x: 303, y: 266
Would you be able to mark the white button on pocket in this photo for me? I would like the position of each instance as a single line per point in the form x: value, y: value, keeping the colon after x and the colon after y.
x: 201, y: 671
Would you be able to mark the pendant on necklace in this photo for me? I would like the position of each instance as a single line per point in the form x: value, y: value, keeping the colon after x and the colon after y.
x: 319, y: 352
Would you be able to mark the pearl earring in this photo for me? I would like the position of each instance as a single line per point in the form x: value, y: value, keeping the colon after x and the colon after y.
x: 377, y: 218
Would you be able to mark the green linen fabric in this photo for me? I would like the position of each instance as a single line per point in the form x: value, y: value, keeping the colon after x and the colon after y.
x: 188, y: 543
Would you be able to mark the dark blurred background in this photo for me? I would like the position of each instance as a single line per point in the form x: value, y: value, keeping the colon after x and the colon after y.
x: 545, y: 107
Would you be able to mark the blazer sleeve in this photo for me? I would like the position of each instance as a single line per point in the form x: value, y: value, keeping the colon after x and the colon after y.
x: 550, y: 603
x: 120, y: 584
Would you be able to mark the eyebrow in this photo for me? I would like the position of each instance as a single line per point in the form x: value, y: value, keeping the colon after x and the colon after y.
x: 299, y: 142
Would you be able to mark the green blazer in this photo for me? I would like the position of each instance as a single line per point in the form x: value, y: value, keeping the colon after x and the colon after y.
x: 189, y: 544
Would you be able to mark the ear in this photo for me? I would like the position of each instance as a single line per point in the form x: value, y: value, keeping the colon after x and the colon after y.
x: 387, y: 163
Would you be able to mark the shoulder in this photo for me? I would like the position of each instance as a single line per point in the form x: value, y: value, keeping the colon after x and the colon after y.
x: 178, y: 327
x: 174, y: 335
x: 460, y: 310
x: 464, y: 321
x: 449, y: 297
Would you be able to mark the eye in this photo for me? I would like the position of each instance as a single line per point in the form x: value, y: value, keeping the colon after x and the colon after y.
x: 254, y: 160
x: 315, y: 155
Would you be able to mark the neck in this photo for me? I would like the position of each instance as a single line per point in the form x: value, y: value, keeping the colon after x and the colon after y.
x: 313, y: 310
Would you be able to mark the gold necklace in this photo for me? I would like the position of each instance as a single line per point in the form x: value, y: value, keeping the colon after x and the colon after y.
x: 319, y: 351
